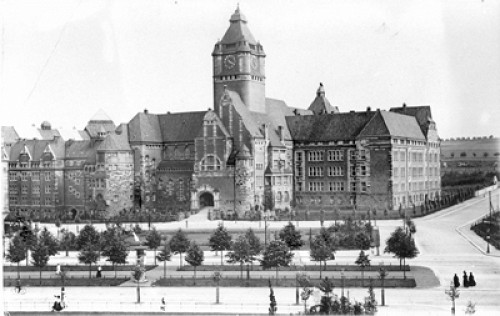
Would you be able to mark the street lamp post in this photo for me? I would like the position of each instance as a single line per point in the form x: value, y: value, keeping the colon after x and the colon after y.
x: 382, y: 274
x: 452, y: 293
x: 342, y: 277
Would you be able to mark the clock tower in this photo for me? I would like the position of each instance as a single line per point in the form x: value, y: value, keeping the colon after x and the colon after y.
x: 238, y: 61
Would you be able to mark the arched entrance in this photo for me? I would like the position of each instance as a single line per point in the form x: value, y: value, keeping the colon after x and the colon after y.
x: 206, y: 199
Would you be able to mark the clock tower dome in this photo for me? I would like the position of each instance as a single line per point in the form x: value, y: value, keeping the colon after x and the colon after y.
x: 238, y: 61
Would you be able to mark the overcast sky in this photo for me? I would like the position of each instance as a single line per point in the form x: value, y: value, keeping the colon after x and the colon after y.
x: 64, y: 60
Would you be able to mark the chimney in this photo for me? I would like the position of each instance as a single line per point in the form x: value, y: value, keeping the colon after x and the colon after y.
x: 145, y: 111
x: 281, y: 133
x: 265, y: 128
x: 368, y: 109
x: 404, y: 105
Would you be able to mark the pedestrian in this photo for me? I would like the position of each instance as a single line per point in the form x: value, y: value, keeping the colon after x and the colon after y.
x: 466, y: 281
x: 99, y: 269
x: 58, y: 269
x: 456, y: 281
x: 472, y: 281
x: 162, y: 307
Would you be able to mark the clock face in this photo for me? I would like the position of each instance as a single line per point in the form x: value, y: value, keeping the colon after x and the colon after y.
x: 254, y: 62
x: 229, y: 61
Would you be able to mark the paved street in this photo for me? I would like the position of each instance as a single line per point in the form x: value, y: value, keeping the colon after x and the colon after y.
x: 446, y: 246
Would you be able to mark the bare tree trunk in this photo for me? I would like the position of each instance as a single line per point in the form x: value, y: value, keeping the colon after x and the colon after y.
x: 90, y: 271
x: 221, y: 261
x: 40, y: 279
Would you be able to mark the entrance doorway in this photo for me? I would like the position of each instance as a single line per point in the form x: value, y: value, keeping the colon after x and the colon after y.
x: 206, y: 199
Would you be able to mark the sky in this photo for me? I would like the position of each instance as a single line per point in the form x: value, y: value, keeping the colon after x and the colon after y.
x: 63, y: 60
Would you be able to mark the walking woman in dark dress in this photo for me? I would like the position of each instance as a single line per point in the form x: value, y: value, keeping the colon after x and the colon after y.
x: 472, y: 281
x: 456, y: 281
x: 466, y: 281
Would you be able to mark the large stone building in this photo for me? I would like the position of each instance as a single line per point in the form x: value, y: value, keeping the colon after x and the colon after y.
x: 248, y: 154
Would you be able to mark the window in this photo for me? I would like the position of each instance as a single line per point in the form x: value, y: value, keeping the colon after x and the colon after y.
x: 335, y: 155
x: 362, y: 170
x: 181, y: 190
x: 210, y: 162
x: 336, y: 186
x: 12, y: 176
x: 362, y: 154
x: 24, y: 189
x: 48, y: 200
x: 47, y: 175
x: 315, y: 186
x: 352, y: 170
x: 36, y: 189
x: 300, y: 186
x: 352, y: 154
x: 286, y: 197
x: 315, y: 171
x: 315, y: 155
x: 24, y: 175
x: 403, y: 172
x: 278, y: 196
x: 35, y: 176
x: 259, y: 166
x: 47, y: 189
x: 396, y: 172
x: 363, y: 186
x: 353, y: 186
x: 402, y: 156
x: 335, y: 171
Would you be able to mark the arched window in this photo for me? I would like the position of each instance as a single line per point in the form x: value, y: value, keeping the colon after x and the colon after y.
x: 181, y: 190
x: 210, y: 162
x: 187, y: 153
x: 287, y: 196
x: 278, y: 196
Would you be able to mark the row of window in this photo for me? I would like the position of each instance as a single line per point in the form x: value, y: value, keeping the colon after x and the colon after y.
x: 25, y: 175
x: 332, y: 171
x: 332, y: 155
x: 414, y: 186
x: 13, y: 200
x: 319, y: 186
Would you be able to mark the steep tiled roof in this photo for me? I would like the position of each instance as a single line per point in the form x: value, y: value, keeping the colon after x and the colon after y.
x: 48, y: 134
x: 421, y: 113
x: 320, y: 104
x: 246, y: 116
x: 117, y: 141
x: 100, y: 116
x: 184, y: 126
x: 238, y: 30
x: 339, y: 126
x: 145, y: 127
x: 81, y: 149
x: 386, y: 123
x: 94, y: 128
x: 36, y: 148
x: 9, y: 135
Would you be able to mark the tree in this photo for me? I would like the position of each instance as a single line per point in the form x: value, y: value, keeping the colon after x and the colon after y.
x: 88, y: 235
x: 322, y: 248
x: 179, y: 244
x: 28, y: 236
x: 276, y: 255
x: 40, y: 256
x: 116, y: 250
x: 153, y: 240
x: 194, y: 257
x: 362, y: 241
x: 68, y: 240
x: 402, y: 246
x: 164, y: 256
x: 220, y: 241
x: 240, y: 252
x: 363, y: 262
x: 254, y: 243
x: 49, y: 241
x: 88, y: 255
x: 326, y: 305
x: 291, y: 237
x: 16, y: 252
